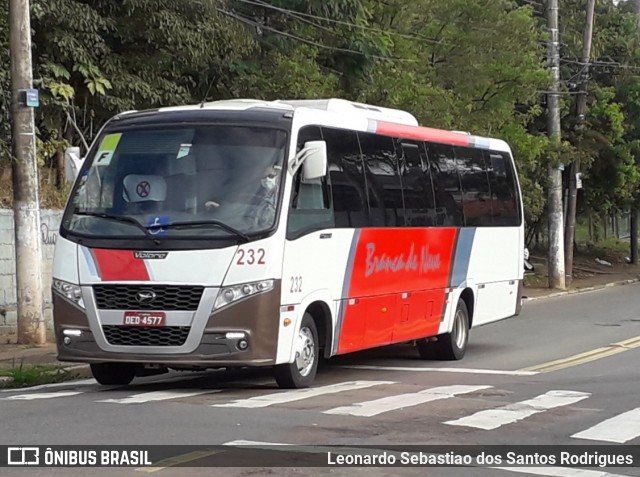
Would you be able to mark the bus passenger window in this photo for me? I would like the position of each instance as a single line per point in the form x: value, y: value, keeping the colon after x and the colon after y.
x: 504, y: 192
x: 346, y: 177
x: 384, y: 191
x: 417, y: 187
x: 476, y: 193
x: 446, y: 184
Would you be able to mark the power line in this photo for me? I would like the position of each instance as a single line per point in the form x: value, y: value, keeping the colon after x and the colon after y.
x: 300, y: 17
x: 342, y: 22
x: 311, y: 42
x: 535, y: 3
x: 559, y: 93
x: 604, y: 64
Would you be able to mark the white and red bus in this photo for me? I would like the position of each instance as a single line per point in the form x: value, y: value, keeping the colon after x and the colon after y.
x: 248, y: 233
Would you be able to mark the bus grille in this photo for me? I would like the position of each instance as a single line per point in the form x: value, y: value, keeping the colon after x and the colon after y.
x: 168, y: 297
x: 145, y: 336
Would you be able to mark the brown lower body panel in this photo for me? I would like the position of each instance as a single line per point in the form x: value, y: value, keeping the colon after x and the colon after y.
x: 258, y: 316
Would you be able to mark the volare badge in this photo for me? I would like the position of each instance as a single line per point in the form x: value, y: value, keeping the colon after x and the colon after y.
x: 151, y: 255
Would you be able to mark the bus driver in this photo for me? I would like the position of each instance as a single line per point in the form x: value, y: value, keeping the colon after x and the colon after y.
x: 264, y: 201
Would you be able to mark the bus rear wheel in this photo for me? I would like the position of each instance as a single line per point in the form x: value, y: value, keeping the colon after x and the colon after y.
x: 449, y: 346
x: 302, y: 372
x: 113, y: 374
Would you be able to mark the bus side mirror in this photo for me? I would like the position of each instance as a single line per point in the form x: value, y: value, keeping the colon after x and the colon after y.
x: 313, y: 159
x: 72, y: 163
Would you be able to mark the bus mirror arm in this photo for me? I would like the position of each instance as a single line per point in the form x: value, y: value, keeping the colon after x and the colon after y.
x: 313, y: 159
x: 72, y: 163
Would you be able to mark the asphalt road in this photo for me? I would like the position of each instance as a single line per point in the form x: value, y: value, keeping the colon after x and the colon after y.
x: 562, y: 373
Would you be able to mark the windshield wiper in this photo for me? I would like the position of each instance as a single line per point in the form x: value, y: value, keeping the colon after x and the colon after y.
x: 197, y: 223
x: 121, y: 218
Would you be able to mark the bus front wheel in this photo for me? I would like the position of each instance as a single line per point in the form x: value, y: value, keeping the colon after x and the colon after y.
x: 110, y: 374
x: 302, y: 372
x: 449, y: 346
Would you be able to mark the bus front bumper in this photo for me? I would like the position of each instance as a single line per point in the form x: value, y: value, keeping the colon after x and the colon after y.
x: 242, y: 334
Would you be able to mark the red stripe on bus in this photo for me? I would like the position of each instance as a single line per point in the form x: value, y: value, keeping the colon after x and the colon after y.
x: 423, y: 133
x: 397, y: 288
x: 120, y: 265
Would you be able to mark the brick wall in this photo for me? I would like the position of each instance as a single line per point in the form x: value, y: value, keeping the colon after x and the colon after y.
x: 50, y: 221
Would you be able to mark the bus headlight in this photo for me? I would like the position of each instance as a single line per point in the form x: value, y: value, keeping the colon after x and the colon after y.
x: 71, y: 292
x: 237, y: 292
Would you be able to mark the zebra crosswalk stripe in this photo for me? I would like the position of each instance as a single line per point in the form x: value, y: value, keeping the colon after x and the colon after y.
x: 619, y: 429
x: 157, y: 396
x: 419, y: 369
x: 494, y: 418
x: 299, y: 394
x: 399, y: 401
x: 34, y: 396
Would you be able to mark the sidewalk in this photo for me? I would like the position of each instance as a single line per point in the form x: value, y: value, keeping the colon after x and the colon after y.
x: 582, y: 284
x: 32, y: 365
x: 14, y: 355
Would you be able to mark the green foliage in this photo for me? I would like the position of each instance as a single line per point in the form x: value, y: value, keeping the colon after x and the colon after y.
x: 48, y: 147
x: 530, y: 153
x: 456, y: 69
x: 605, y: 140
x: 606, y: 115
x: 290, y: 75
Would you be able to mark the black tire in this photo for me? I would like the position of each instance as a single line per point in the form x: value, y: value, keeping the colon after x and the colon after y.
x: 113, y: 374
x: 302, y: 372
x: 449, y: 346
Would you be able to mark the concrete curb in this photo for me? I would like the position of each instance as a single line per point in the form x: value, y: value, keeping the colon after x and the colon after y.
x: 584, y: 290
x: 77, y: 367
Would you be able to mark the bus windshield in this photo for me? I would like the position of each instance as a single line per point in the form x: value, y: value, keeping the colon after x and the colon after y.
x: 199, y: 181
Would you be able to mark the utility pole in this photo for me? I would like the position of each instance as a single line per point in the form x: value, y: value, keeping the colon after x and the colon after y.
x: 569, y: 233
x: 26, y: 206
x: 554, y: 197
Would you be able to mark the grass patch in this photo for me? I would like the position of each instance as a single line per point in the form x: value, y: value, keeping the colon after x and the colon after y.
x: 613, y: 250
x: 24, y: 376
x: 585, y: 266
x: 534, y: 280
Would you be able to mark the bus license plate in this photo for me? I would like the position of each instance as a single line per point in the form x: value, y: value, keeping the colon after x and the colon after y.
x: 140, y: 318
